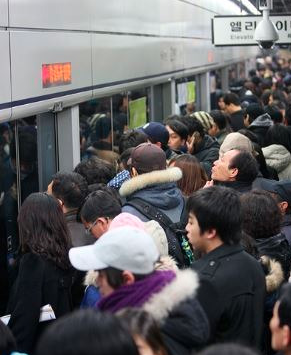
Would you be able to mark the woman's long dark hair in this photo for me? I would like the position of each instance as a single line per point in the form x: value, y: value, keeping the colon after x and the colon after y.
x: 43, y: 229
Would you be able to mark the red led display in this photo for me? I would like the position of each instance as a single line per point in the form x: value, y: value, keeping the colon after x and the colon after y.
x: 56, y: 74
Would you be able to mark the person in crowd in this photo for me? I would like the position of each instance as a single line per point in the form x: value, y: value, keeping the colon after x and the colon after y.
x: 102, y: 147
x: 178, y: 134
x: 202, y: 146
x: 281, y: 191
x: 236, y: 169
x: 95, y: 170
x: 45, y: 274
x: 266, y: 171
x: 152, y: 192
x: 131, y: 139
x: 158, y: 134
x: 87, y: 332
x: 275, y: 114
x: 71, y: 189
x: 123, y: 168
x: 220, y: 128
x: 280, y: 324
x: 233, y: 108
x: 257, y: 122
x: 194, y: 176
x: 288, y: 118
x: 232, y: 284
x: 236, y: 140
x: 144, y: 330
x: 124, y: 219
x: 220, y: 102
x: 125, y: 258
x: 261, y: 221
x: 267, y: 98
x: 98, y: 210
x: 277, y: 151
x: 228, y: 349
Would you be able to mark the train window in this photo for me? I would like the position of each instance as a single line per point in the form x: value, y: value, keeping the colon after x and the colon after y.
x: 97, y: 130
x: 120, y: 116
x: 186, y: 95
x: 138, y: 107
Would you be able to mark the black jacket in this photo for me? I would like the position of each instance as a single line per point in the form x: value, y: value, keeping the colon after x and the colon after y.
x: 239, y: 186
x: 232, y: 294
x: 207, y: 151
x: 39, y: 282
x: 236, y: 120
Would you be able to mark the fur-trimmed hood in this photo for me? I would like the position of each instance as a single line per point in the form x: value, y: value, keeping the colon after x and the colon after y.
x: 274, y: 273
x: 183, y: 287
x: 279, y: 158
x: 153, y: 178
x: 90, y: 278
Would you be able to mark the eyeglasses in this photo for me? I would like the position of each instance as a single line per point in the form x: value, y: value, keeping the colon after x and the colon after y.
x: 88, y: 230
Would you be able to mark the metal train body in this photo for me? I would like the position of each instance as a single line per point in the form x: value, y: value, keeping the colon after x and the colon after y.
x: 112, y: 45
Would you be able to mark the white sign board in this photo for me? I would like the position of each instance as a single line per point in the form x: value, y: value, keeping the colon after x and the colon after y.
x: 239, y: 30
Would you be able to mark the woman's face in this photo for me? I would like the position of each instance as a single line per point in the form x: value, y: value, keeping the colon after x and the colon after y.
x: 175, y: 141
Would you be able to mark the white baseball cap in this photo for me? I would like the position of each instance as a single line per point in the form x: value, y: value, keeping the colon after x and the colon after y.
x: 124, y: 248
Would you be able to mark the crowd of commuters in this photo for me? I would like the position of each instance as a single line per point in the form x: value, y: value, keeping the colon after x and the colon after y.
x: 178, y: 244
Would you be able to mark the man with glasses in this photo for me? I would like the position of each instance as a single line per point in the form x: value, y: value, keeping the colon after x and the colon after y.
x: 98, y: 210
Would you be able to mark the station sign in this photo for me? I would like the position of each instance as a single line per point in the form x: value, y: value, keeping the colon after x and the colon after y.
x: 240, y: 30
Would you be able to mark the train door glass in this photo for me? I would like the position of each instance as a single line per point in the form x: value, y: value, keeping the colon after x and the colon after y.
x: 18, y: 179
x: 96, y: 129
x: 186, y: 96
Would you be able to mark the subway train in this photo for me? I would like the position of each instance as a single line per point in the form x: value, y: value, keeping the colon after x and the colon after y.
x: 66, y: 63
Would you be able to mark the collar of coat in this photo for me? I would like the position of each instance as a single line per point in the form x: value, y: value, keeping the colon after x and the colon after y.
x: 154, y: 177
x: 183, y: 287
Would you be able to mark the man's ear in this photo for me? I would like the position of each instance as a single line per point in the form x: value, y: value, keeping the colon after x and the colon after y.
x: 211, y: 233
x: 234, y: 172
x: 128, y: 277
x: 133, y: 172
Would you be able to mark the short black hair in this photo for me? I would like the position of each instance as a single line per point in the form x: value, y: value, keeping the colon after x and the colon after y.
x: 192, y: 124
x: 86, y: 332
x: 254, y: 111
x: 275, y: 113
x: 178, y: 127
x: 261, y: 215
x: 96, y: 170
x: 101, y: 203
x: 71, y: 188
x: 246, y: 165
x: 124, y: 157
x: 219, y: 118
x: 131, y: 139
x: 231, y: 98
x: 103, y: 127
x: 279, y: 134
x: 219, y: 208
x: 265, y: 97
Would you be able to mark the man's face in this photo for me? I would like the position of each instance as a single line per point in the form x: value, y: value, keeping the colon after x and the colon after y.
x: 98, y: 227
x: 221, y: 171
x: 279, y: 341
x: 102, y: 282
x: 194, y: 233
x: 175, y: 141
x: 221, y: 104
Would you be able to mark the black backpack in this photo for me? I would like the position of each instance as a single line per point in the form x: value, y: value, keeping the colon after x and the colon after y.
x: 178, y: 244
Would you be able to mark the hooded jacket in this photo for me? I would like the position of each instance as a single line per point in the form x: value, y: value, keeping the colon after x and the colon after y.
x: 207, y: 151
x: 158, y: 188
x: 279, y: 158
x: 260, y: 127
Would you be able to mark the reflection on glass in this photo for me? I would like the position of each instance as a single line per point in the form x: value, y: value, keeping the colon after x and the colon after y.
x: 96, y: 130
x: 17, y: 166
x: 185, y: 96
x: 120, y: 116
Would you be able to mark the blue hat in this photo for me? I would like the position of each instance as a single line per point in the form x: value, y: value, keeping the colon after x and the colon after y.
x: 156, y: 132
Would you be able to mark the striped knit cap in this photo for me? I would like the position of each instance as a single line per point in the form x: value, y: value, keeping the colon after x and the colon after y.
x: 205, y: 119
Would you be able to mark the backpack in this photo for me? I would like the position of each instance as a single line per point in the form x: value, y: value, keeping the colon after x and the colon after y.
x: 179, y: 247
